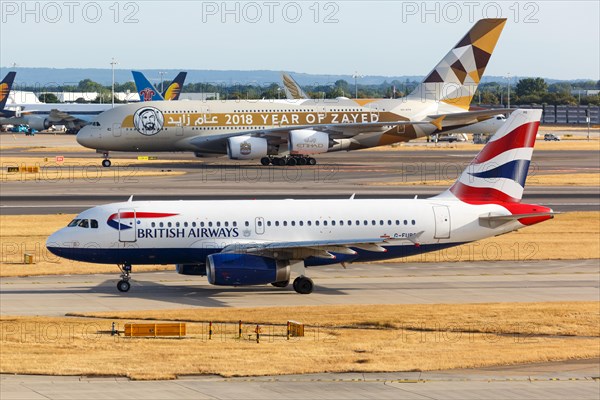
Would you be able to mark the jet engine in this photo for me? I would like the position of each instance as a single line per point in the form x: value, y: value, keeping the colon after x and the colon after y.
x: 246, y: 147
x: 226, y: 269
x: 38, y: 123
x: 307, y: 141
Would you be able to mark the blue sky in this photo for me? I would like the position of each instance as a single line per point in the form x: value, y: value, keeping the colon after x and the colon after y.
x: 554, y: 39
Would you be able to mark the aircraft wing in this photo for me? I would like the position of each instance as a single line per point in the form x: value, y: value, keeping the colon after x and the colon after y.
x: 280, y: 133
x: 468, y: 117
x: 317, y: 248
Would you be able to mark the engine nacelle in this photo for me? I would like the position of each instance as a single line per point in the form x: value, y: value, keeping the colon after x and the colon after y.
x: 191, y: 269
x: 38, y: 123
x: 307, y: 141
x: 225, y: 269
x: 246, y: 147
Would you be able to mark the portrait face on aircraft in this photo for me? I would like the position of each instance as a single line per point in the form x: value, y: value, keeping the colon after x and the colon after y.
x: 148, y: 121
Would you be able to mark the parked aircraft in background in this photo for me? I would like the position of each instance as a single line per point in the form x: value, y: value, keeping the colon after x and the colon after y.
x: 256, y: 242
x: 285, y: 132
x: 148, y: 92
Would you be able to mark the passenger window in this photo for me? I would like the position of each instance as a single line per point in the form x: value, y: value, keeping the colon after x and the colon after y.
x: 324, y: 223
x: 413, y: 222
x: 185, y: 224
x: 210, y: 224
x: 405, y: 222
x: 194, y: 224
x: 317, y: 223
x: 169, y: 224
x: 247, y: 223
x: 309, y: 223
x: 276, y: 223
x: 153, y: 224
x: 301, y: 223
x: 218, y: 224
x: 94, y: 224
x: 177, y: 224
x: 161, y: 224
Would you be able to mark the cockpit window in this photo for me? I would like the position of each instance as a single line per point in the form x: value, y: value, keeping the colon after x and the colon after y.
x: 75, y: 222
x: 93, y: 223
x: 84, y: 223
x: 95, y: 123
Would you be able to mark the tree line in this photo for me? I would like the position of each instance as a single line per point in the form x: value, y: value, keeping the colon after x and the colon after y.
x: 525, y: 91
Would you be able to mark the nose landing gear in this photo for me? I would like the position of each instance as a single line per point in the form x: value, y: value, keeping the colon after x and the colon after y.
x: 106, y: 162
x: 123, y: 285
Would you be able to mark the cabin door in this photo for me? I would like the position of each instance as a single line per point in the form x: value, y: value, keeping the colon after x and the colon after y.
x: 442, y: 222
x: 127, y: 225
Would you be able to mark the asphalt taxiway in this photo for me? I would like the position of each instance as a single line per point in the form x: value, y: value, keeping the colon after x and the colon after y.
x: 575, y: 380
x: 381, y: 283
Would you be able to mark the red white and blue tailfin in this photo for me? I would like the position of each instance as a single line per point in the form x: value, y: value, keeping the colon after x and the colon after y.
x: 498, y: 172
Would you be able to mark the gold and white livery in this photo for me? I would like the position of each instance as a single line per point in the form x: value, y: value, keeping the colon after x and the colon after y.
x: 291, y: 132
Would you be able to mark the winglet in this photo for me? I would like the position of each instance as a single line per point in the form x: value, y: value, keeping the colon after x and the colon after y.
x: 130, y: 199
x: 352, y: 197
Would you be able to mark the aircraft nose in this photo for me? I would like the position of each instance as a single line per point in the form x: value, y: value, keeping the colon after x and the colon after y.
x: 59, y: 243
x: 88, y: 137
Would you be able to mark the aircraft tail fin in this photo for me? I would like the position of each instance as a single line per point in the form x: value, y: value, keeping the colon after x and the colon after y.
x: 455, y: 78
x: 174, y: 90
x: 5, y: 87
x: 498, y: 173
x: 145, y: 89
x: 293, y: 91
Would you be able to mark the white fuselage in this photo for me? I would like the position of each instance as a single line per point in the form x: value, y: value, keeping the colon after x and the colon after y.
x: 171, y: 232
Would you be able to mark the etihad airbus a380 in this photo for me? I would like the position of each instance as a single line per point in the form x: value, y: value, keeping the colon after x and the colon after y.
x: 284, y: 132
x: 256, y: 242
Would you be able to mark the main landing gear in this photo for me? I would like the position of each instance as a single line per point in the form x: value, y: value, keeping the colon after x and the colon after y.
x: 124, y: 285
x: 302, y: 284
x: 106, y: 162
x: 288, y: 160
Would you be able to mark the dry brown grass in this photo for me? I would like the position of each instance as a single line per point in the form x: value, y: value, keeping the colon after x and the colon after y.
x: 70, y: 346
x: 583, y: 179
x: 551, y: 318
x: 122, y: 171
x: 545, y: 241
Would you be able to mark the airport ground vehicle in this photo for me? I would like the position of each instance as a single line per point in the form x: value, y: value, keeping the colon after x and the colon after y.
x: 551, y: 137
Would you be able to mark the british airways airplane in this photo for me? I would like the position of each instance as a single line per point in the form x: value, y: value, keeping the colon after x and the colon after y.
x: 257, y: 242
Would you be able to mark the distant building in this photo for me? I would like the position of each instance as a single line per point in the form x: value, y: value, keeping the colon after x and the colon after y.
x: 585, y: 92
x: 21, y: 97
x: 199, y: 96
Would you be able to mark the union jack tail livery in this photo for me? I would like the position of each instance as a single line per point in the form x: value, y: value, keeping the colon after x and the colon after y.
x: 498, y: 172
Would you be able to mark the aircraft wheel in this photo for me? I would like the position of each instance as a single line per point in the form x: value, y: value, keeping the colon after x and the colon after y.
x: 265, y: 161
x: 303, y: 285
x: 281, y: 283
x: 291, y: 161
x: 106, y: 163
x: 311, y: 161
x: 279, y: 161
x: 301, y: 161
x: 123, y: 286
